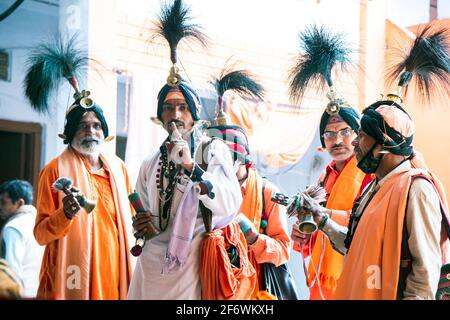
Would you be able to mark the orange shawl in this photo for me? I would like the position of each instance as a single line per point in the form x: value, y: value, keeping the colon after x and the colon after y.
x: 252, y: 205
x: 68, y: 250
x: 376, y: 246
x: 221, y: 281
x: 252, y: 202
x: 342, y: 196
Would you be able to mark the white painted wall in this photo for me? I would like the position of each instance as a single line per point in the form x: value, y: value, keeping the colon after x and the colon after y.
x: 34, y: 22
x: 18, y: 33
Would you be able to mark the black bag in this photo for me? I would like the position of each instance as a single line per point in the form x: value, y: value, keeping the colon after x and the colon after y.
x: 277, y: 280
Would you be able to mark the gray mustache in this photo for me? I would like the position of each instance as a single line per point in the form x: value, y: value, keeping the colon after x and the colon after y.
x: 88, y: 140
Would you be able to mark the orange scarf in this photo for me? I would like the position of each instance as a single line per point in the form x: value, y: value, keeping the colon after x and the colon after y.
x: 371, y: 269
x: 342, y: 196
x: 75, y: 248
x: 221, y: 281
x: 252, y: 202
x: 252, y: 205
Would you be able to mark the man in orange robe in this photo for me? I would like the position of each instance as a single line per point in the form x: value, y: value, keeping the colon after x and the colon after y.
x: 343, y: 182
x: 87, y: 254
x: 395, y: 244
x: 397, y: 236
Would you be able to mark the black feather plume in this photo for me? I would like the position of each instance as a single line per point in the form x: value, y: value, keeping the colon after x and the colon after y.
x: 427, y: 62
x: 322, y: 50
x: 174, y: 23
x: 48, y: 64
x: 239, y: 81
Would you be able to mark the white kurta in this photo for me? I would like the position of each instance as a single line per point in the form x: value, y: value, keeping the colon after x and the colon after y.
x: 148, y: 281
x: 23, y: 253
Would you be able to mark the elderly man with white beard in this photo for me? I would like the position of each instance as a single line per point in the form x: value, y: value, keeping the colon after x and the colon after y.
x: 87, y: 254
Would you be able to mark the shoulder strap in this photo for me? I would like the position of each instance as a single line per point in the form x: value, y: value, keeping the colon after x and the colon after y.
x: 263, y: 200
x: 263, y: 210
x: 203, y: 163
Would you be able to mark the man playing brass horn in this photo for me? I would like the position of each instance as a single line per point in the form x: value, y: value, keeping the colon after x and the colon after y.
x: 86, y: 255
x: 342, y: 180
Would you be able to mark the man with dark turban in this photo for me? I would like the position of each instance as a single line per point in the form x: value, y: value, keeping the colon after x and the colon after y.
x: 189, y: 173
x: 87, y: 252
x: 403, y: 201
x: 396, y: 240
x: 343, y: 182
x: 341, y: 179
x: 172, y: 185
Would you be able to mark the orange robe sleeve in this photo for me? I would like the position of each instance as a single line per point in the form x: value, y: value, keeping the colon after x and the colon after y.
x: 51, y: 222
x: 340, y: 216
x: 273, y: 246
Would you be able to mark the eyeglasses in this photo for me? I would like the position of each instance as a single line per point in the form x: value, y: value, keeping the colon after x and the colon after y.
x: 343, y: 133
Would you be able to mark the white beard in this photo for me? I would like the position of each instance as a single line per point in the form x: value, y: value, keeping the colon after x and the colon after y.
x: 88, y: 148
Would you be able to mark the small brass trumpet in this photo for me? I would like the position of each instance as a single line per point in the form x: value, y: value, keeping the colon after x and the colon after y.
x: 295, y: 205
x: 65, y: 185
x: 307, y: 224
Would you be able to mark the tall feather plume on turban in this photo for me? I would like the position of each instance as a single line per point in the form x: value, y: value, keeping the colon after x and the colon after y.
x: 427, y: 63
x: 323, y: 50
x: 48, y: 64
x: 238, y: 80
x: 175, y: 24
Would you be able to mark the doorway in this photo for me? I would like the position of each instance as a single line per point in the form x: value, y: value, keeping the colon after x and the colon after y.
x: 20, y: 151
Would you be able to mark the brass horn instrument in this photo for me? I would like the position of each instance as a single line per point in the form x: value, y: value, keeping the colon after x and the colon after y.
x: 295, y: 206
x: 307, y: 224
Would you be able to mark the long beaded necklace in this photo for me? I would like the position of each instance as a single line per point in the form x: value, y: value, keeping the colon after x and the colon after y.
x: 169, y: 170
x: 166, y: 169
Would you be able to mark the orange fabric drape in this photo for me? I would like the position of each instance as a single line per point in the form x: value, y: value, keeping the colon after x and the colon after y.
x: 70, y: 258
x: 343, y: 193
x: 251, y: 206
x: 221, y: 281
x: 252, y: 202
x: 105, y: 242
x: 372, y: 264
